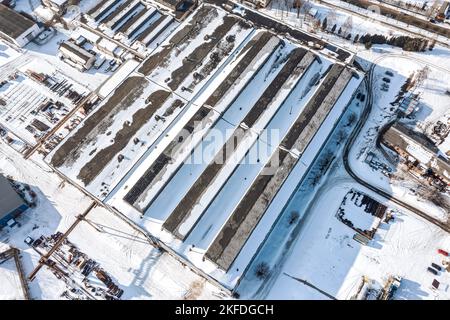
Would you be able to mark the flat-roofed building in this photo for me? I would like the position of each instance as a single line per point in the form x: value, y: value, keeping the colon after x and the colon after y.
x: 16, y: 27
x: 76, y: 56
x: 11, y: 205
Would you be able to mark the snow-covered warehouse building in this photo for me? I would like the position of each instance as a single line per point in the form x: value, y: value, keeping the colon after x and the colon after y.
x: 11, y: 205
x: 76, y: 56
x: 16, y: 28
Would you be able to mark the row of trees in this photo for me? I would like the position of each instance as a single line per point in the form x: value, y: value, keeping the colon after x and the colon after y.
x: 407, y: 43
x: 346, y: 30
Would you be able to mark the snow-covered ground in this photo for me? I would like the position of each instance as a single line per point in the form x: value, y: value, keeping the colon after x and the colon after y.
x: 327, y: 257
x: 11, y: 288
x: 433, y: 106
x: 318, y: 258
x: 24, y: 94
x: 314, y: 11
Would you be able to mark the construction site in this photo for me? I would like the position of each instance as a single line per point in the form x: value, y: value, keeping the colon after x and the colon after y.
x: 32, y: 103
x: 84, y: 277
x: 272, y: 102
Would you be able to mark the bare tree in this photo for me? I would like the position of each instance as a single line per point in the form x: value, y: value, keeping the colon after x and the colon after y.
x: 293, y: 217
x: 306, y: 6
x: 262, y: 270
x: 298, y: 4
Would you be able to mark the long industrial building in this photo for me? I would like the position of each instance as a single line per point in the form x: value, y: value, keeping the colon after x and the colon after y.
x: 255, y: 202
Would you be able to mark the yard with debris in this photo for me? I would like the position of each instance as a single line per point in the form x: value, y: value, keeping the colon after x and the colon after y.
x: 138, y: 268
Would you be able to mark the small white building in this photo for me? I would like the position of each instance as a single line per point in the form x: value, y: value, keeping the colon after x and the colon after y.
x: 108, y: 47
x: 16, y: 28
x: 76, y: 56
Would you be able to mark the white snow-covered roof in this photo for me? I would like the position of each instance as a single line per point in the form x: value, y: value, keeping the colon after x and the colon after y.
x: 107, y: 45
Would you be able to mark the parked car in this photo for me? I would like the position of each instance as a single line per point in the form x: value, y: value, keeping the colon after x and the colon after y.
x: 433, y: 271
x: 437, y: 267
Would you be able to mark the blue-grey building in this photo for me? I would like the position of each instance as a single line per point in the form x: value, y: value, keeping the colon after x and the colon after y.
x: 11, y: 204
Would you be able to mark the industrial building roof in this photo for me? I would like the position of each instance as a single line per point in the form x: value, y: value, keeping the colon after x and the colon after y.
x: 419, y: 146
x: 9, y: 199
x: 12, y: 23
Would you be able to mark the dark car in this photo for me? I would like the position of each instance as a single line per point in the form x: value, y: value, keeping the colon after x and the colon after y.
x: 437, y: 267
x: 433, y: 271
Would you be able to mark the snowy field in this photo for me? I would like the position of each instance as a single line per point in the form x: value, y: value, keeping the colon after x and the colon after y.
x: 10, y: 288
x: 138, y: 268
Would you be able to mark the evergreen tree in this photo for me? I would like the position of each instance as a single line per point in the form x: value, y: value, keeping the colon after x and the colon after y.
x: 324, y: 24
